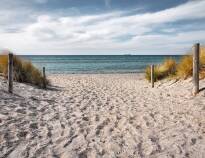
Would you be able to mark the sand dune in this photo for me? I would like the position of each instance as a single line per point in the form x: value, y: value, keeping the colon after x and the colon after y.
x: 102, y: 116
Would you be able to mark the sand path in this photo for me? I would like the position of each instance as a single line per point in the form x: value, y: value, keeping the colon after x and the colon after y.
x: 102, y: 116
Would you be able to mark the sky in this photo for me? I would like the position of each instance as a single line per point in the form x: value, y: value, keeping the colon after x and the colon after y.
x: 111, y: 27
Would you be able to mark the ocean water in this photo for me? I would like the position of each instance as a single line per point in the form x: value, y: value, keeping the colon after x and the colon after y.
x: 82, y: 64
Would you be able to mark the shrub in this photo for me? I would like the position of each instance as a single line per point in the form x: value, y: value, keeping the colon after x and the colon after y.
x: 24, y: 71
x: 167, y: 68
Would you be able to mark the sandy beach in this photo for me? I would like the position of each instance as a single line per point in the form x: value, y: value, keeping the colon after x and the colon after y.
x: 102, y: 115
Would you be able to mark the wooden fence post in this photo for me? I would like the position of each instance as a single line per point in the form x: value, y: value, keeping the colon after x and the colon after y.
x: 10, y: 73
x: 152, y: 75
x: 44, y: 77
x: 196, y: 68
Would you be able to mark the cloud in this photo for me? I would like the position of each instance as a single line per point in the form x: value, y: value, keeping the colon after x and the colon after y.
x: 114, y: 32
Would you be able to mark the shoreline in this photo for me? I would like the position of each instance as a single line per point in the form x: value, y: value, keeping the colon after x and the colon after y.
x: 97, y: 64
x: 96, y: 74
x: 93, y: 73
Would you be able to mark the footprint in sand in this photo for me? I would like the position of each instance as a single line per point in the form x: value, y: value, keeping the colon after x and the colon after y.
x: 22, y: 134
x: 21, y: 111
x: 97, y: 118
x: 33, y: 126
x: 83, y: 154
x: 101, y: 126
x: 85, y: 118
x: 23, y: 105
x: 155, y: 142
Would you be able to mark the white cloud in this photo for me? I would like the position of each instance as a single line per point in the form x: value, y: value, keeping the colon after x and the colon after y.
x: 102, y: 33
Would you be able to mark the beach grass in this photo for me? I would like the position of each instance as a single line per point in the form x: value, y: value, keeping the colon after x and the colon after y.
x: 185, y: 66
x: 181, y: 70
x: 24, y: 71
x: 167, y: 68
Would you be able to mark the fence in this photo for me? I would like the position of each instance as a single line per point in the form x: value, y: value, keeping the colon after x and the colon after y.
x: 196, y: 68
x: 196, y: 62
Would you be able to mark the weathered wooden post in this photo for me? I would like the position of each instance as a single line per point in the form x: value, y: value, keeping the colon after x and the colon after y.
x: 152, y: 75
x: 196, y: 68
x: 10, y: 73
x: 44, y: 77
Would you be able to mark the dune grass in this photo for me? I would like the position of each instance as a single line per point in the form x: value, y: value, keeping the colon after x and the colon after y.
x: 3, y: 63
x: 24, y: 71
x: 167, y: 68
x: 182, y: 70
x: 185, y: 66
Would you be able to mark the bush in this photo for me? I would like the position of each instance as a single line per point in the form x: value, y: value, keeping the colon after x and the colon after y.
x: 24, y: 71
x: 167, y: 68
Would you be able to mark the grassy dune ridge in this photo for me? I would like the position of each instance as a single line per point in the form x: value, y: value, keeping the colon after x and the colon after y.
x: 24, y: 71
x: 182, y: 70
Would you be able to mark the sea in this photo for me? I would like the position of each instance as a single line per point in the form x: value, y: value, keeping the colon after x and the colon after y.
x: 96, y: 64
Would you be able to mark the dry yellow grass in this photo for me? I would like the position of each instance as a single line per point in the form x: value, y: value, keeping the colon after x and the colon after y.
x: 181, y: 70
x: 167, y: 68
x: 185, y: 66
x: 3, y: 63
x: 24, y: 71
x: 202, y: 63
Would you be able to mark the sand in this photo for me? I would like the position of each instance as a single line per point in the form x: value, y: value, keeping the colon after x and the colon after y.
x: 108, y: 116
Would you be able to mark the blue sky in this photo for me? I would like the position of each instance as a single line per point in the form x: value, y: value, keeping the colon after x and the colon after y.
x: 101, y: 26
